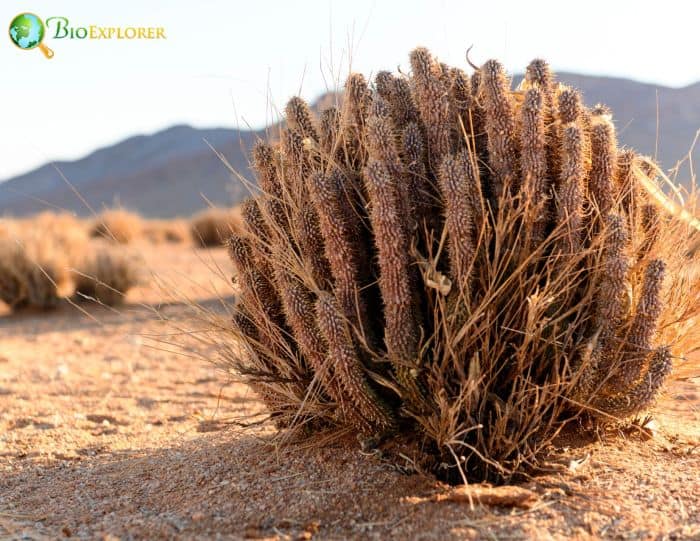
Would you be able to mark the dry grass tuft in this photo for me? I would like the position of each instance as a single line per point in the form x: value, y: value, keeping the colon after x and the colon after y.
x: 467, y: 264
x: 106, y: 275
x: 170, y: 231
x: 33, y: 272
x: 212, y: 227
x: 67, y: 233
x: 35, y: 257
x: 38, y: 256
x: 117, y: 225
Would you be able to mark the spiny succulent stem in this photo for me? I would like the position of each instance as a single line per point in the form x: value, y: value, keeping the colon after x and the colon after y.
x: 371, y: 413
x: 401, y: 334
x: 500, y: 127
x: 456, y: 183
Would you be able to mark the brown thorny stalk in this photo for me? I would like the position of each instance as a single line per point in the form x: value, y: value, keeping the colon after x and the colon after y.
x: 445, y: 257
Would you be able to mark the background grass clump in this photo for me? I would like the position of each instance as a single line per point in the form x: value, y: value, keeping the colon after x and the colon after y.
x: 45, y: 258
x: 35, y: 258
x: 173, y: 231
x: 447, y: 259
x: 106, y: 275
x: 48, y: 257
x: 118, y: 225
x: 211, y: 227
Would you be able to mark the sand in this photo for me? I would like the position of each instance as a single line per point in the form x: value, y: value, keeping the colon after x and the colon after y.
x: 106, y: 432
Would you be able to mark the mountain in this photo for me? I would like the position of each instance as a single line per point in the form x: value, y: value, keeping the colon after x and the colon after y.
x: 175, y: 172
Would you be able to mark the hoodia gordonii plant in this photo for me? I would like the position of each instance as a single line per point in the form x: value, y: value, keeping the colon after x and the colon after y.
x: 445, y: 258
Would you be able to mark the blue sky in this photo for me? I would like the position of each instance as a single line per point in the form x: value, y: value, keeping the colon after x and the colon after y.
x: 231, y: 63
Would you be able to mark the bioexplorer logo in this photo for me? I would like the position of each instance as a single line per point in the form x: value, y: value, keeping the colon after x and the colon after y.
x: 27, y: 31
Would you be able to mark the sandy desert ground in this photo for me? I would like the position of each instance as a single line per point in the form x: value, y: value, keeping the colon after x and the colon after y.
x: 107, y: 433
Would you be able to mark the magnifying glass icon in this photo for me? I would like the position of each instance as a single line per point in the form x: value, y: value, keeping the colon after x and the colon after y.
x: 27, y: 32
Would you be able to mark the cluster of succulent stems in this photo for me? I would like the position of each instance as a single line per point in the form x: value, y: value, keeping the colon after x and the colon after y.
x: 443, y: 256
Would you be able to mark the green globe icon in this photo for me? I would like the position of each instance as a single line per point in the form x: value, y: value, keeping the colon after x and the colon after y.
x: 27, y: 31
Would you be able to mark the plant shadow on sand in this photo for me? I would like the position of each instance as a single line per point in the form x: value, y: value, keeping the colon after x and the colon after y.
x: 239, y: 484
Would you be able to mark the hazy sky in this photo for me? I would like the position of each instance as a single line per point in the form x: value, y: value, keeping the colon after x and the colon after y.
x: 225, y: 62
